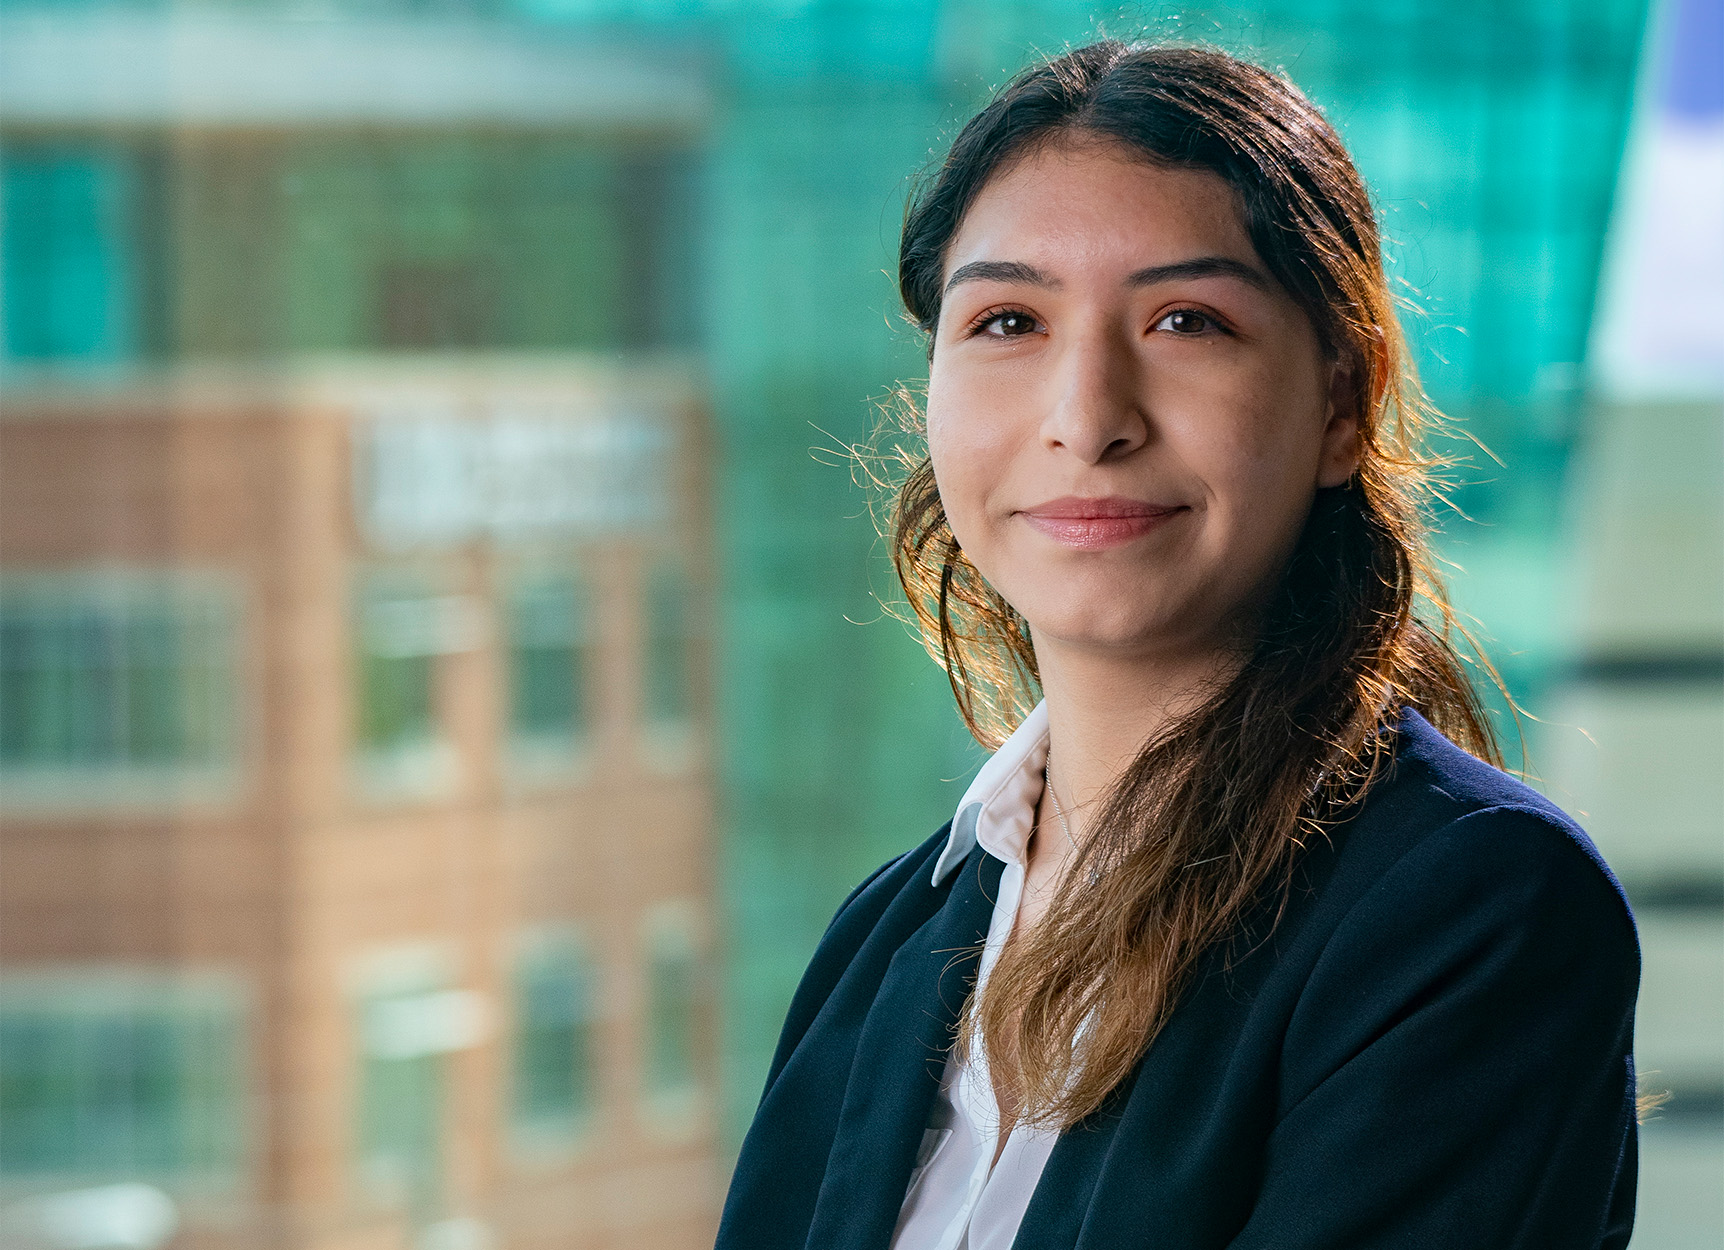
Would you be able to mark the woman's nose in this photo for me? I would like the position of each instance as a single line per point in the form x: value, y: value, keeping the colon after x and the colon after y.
x: 1097, y: 411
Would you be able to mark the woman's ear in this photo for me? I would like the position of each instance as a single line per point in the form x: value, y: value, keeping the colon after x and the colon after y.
x: 1341, y: 447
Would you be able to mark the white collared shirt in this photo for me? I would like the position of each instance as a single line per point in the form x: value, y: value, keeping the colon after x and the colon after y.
x: 958, y: 1198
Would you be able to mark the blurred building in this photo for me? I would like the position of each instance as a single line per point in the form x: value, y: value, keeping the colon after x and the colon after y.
x: 356, y: 798
x: 1633, y: 736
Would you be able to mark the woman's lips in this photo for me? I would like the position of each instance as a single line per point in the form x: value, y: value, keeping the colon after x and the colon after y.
x: 1092, y: 524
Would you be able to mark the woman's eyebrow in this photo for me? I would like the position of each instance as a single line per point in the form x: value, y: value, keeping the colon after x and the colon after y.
x: 1000, y: 271
x: 1202, y: 267
x: 1197, y: 267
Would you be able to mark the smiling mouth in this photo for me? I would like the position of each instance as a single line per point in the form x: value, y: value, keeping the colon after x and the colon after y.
x: 1094, y: 524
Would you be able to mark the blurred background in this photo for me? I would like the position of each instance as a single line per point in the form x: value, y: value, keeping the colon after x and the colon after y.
x: 445, y: 685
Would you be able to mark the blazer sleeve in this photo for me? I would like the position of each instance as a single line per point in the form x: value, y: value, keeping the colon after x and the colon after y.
x: 1459, y: 1068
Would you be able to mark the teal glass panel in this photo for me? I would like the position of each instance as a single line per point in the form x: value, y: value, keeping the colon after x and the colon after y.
x: 67, y: 253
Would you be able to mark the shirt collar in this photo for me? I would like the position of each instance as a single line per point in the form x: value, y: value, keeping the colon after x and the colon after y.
x: 998, y: 811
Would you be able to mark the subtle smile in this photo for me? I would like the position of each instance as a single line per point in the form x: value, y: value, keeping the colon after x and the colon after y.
x: 1094, y: 524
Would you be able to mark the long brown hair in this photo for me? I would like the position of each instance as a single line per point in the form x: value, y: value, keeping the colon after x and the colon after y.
x: 1205, y: 822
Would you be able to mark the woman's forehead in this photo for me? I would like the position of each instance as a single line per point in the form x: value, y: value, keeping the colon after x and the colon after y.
x: 1089, y: 204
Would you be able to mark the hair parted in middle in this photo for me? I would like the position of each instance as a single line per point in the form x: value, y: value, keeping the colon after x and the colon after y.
x: 1194, y: 845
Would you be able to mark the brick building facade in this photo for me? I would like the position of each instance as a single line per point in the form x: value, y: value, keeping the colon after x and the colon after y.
x: 358, y: 801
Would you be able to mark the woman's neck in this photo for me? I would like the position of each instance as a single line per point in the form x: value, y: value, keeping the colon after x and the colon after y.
x: 1101, y: 712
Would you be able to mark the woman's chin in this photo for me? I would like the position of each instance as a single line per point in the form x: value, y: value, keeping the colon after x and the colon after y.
x: 1098, y: 635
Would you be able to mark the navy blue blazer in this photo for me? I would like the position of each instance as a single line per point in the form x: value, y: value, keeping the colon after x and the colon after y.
x: 1432, y: 1049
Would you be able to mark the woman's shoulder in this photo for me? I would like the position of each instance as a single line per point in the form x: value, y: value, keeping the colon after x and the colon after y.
x: 1444, y: 825
x: 1448, y: 784
x: 884, y: 908
x: 1428, y: 763
x: 874, y: 896
x: 1459, y: 911
x: 875, y: 890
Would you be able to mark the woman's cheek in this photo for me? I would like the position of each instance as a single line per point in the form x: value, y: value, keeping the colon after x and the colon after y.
x: 949, y: 478
x: 1242, y: 447
x: 963, y: 455
x: 953, y: 474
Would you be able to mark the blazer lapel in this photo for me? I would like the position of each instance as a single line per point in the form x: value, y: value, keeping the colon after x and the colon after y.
x: 899, y: 1058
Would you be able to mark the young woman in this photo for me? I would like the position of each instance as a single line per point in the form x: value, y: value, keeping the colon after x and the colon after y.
x: 1236, y: 941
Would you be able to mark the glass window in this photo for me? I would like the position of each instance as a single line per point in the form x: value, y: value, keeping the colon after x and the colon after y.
x: 428, y: 305
x: 106, y: 1076
x: 408, y: 1021
x: 437, y: 239
x: 400, y: 1108
x: 403, y: 630
x: 667, y: 660
x: 672, y: 1003
x: 555, y: 1086
x: 548, y: 671
x: 115, y: 674
x: 396, y: 671
x: 68, y: 263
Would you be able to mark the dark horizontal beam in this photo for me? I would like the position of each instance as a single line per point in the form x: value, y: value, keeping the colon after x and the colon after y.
x: 1698, y: 667
x: 1702, y: 893
x: 1685, y: 1105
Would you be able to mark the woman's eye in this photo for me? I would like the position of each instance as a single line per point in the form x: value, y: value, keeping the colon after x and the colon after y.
x: 1185, y: 321
x: 1009, y: 324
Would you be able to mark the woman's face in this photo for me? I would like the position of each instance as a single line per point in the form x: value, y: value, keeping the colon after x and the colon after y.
x: 1127, y: 416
